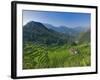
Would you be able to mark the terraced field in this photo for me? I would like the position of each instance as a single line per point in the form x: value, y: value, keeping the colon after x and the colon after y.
x: 55, y: 56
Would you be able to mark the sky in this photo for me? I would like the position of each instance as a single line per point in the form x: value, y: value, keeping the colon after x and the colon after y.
x: 68, y: 19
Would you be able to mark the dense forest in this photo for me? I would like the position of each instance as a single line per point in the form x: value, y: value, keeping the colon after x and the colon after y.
x: 47, y: 46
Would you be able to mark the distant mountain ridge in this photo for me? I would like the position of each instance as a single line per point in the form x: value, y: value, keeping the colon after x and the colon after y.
x: 48, y: 34
x: 61, y: 29
x: 66, y: 30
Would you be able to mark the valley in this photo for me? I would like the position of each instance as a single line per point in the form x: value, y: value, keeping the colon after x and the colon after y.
x: 50, y: 47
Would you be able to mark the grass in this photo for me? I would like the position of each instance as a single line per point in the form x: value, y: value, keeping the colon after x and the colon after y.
x: 42, y: 56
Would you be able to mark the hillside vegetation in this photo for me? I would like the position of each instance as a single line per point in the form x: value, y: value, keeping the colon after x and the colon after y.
x: 46, y: 48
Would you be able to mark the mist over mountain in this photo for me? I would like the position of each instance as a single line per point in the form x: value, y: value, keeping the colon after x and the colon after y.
x: 49, y: 34
x: 81, y: 29
x: 56, y: 39
x: 85, y: 37
x: 61, y: 29
x: 66, y: 30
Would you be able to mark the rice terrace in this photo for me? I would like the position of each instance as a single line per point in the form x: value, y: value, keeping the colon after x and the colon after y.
x: 56, y: 39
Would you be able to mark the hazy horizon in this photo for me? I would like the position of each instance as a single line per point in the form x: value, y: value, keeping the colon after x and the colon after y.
x: 57, y: 19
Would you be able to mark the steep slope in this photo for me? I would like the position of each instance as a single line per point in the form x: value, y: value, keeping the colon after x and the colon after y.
x: 38, y: 33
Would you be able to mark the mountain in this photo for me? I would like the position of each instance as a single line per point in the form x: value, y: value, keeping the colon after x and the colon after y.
x: 61, y: 29
x: 48, y: 34
x: 80, y: 29
x: 38, y: 33
x: 66, y: 30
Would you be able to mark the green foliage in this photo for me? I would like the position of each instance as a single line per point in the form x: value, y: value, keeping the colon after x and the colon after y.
x: 84, y: 37
x: 36, y: 32
x: 46, y: 48
x: 42, y: 56
x: 35, y: 56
